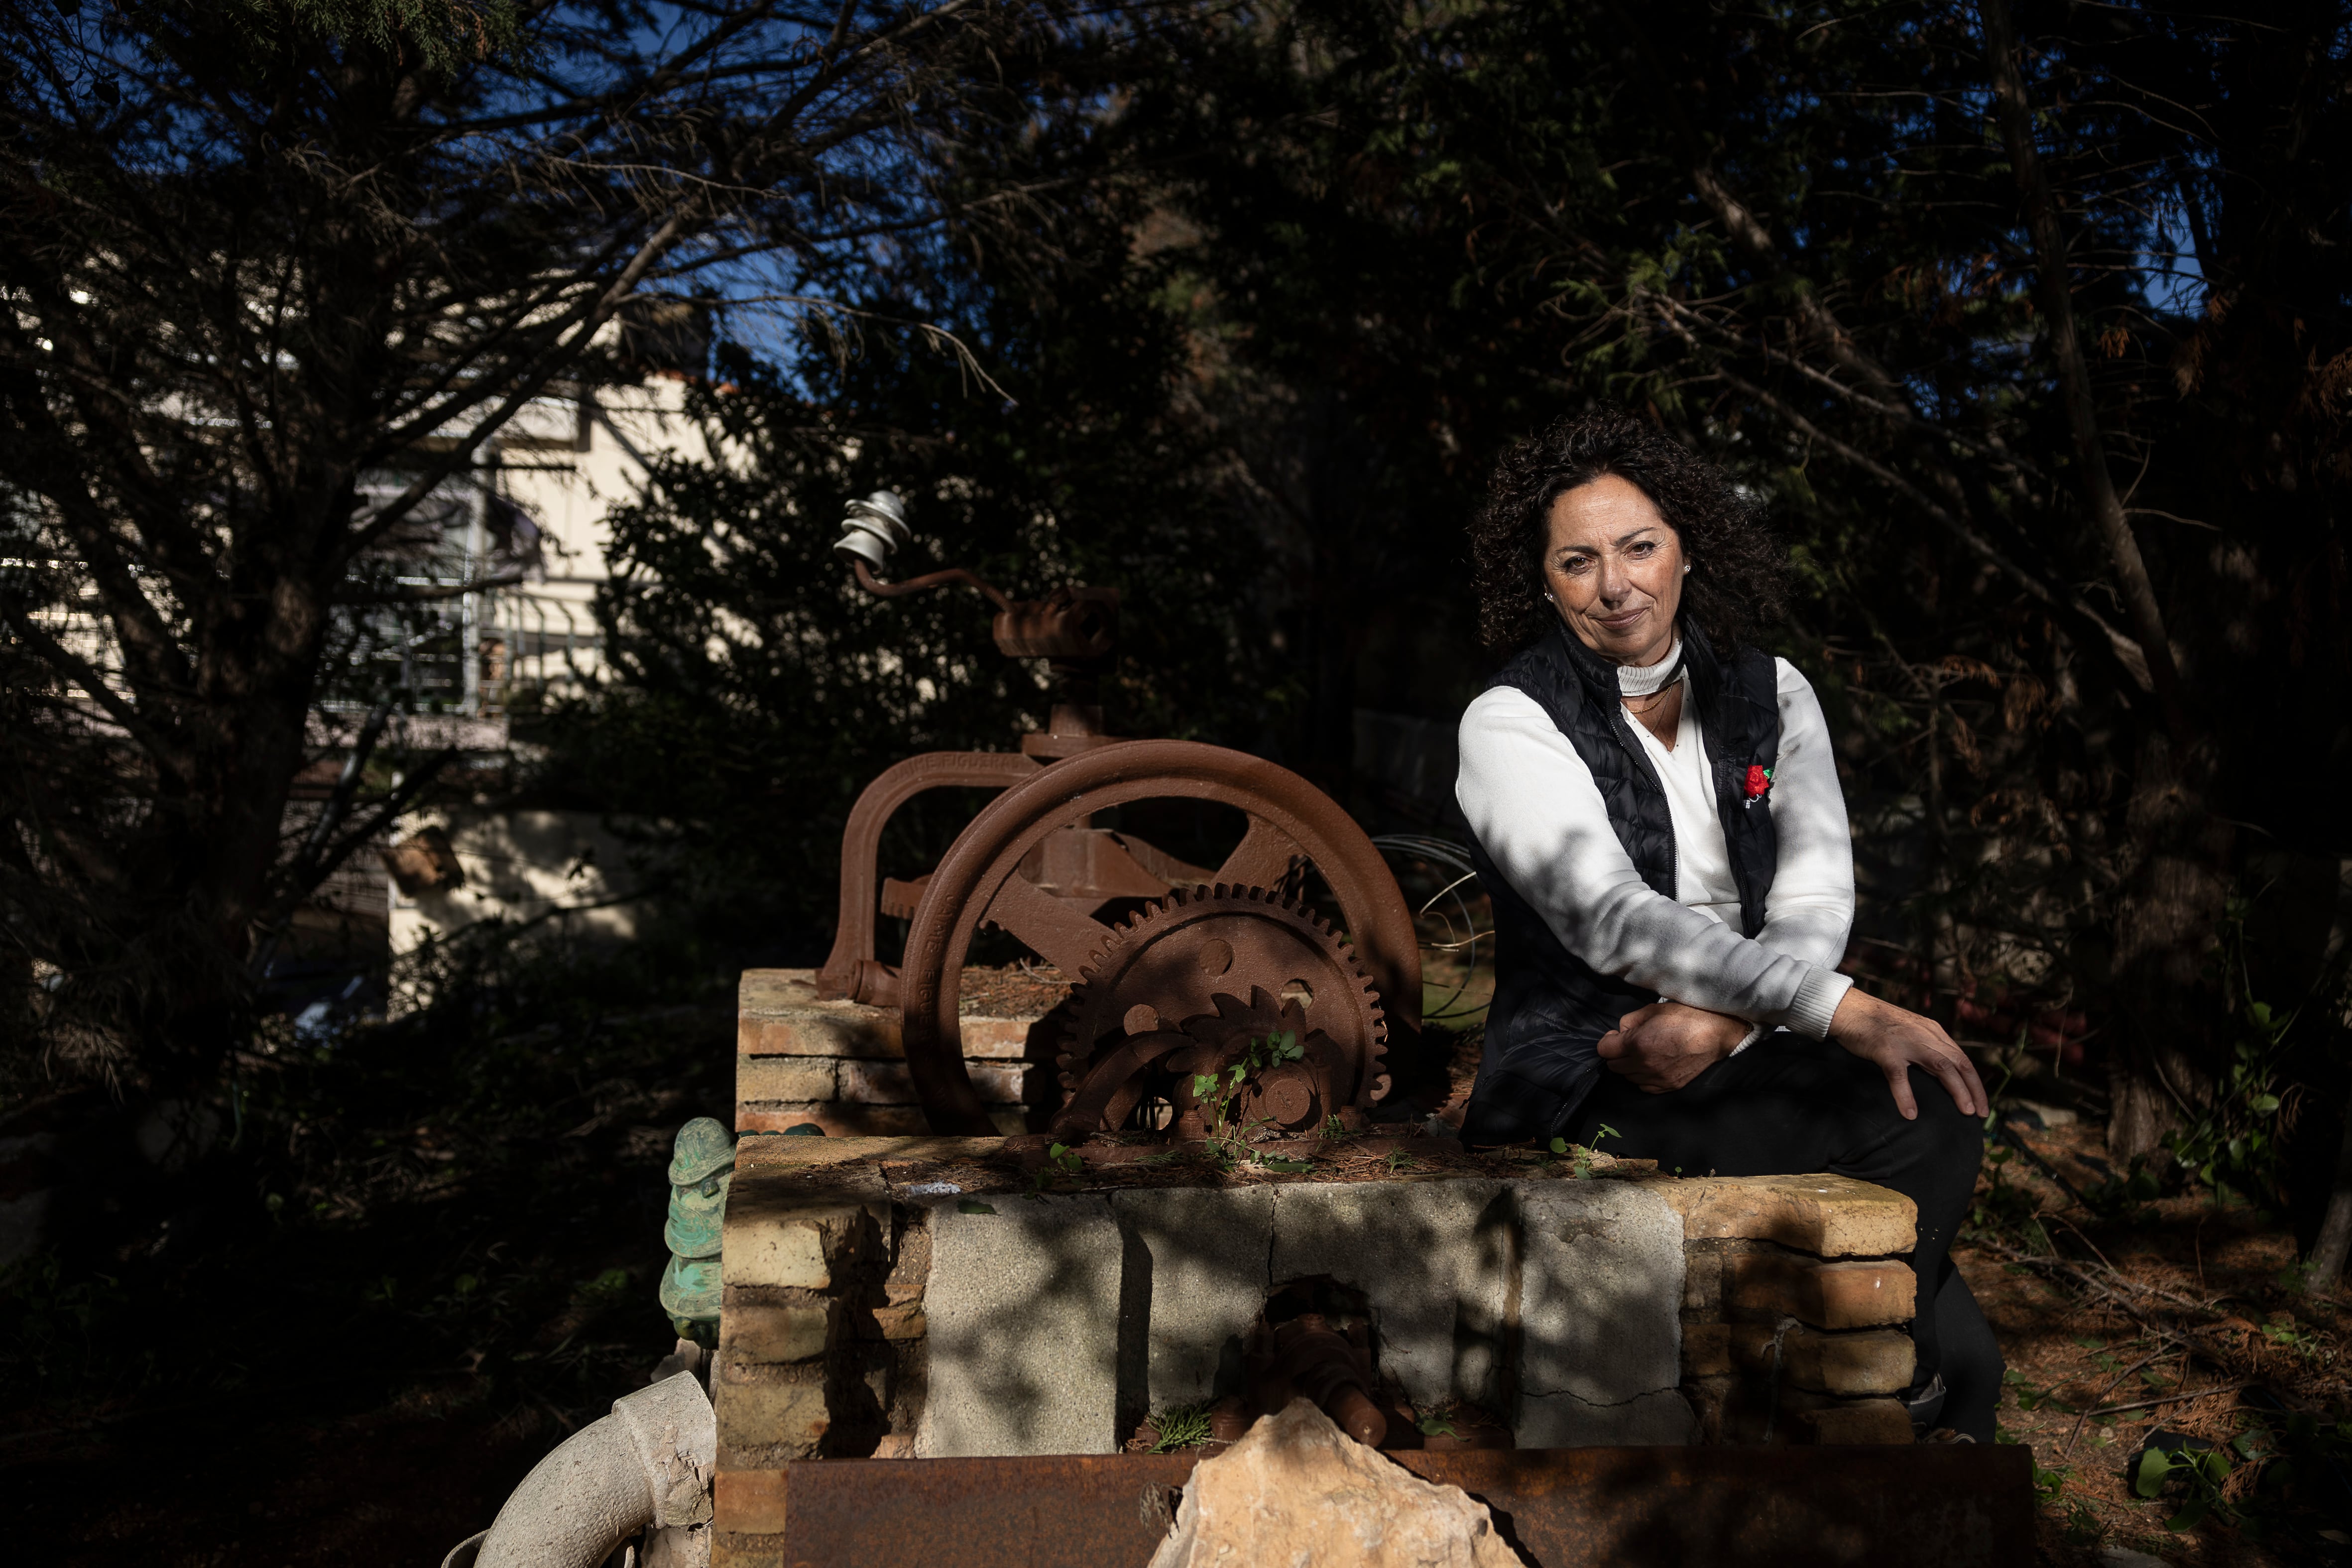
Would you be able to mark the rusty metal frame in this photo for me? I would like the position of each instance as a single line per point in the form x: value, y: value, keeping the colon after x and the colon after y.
x: 1289, y: 819
x: 1932, y: 1506
x: 850, y: 969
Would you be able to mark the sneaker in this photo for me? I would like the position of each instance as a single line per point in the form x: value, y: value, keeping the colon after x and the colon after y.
x: 1924, y: 1404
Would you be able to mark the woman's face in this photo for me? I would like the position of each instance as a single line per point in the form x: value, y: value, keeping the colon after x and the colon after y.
x: 1613, y: 566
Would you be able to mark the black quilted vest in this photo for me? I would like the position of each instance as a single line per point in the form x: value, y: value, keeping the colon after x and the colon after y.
x: 1551, y: 1007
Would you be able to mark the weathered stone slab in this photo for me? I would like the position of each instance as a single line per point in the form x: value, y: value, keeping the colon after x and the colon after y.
x: 778, y: 1334
x: 1432, y: 1256
x: 804, y: 1153
x: 1022, y: 1313
x: 1830, y: 1216
x: 778, y: 1014
x: 784, y: 1079
x: 1867, y: 1362
x: 890, y: 1083
x: 783, y: 1233
x: 1659, y: 1419
x: 1826, y: 1295
x: 1206, y: 1254
x: 846, y: 1119
x: 1601, y: 1290
x: 1707, y: 1349
x: 768, y: 1414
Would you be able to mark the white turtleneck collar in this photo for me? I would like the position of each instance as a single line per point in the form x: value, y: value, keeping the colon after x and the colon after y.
x: 1643, y: 680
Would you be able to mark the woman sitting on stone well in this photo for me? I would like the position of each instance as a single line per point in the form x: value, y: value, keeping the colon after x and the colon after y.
x: 1660, y: 825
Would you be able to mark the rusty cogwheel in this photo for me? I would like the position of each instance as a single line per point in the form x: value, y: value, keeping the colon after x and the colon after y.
x: 1184, y: 986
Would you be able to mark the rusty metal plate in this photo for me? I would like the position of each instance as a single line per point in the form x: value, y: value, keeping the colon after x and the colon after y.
x: 1927, y: 1507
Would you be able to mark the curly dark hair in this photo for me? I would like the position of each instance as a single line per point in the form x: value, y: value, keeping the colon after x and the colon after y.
x: 1737, y: 570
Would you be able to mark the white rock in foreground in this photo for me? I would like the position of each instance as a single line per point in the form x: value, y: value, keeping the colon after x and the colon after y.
x: 1298, y: 1492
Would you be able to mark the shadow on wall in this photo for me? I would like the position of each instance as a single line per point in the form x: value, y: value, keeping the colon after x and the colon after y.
x: 1057, y: 1322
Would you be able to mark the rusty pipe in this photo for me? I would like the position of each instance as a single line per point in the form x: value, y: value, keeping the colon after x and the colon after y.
x: 1321, y: 1364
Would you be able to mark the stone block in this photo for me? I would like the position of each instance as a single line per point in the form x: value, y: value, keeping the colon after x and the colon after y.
x: 785, y: 1231
x: 766, y: 1415
x: 778, y: 1014
x: 1432, y: 1256
x: 900, y: 1323
x: 748, y: 1503
x: 771, y: 1154
x: 1826, y: 1295
x: 910, y: 1268
x: 1658, y: 1419
x: 1701, y: 1283
x: 846, y: 1121
x: 1707, y: 1349
x: 1023, y: 1312
x: 890, y: 1083
x: 1830, y: 1216
x: 1865, y: 1361
x: 776, y: 1334
x: 1205, y: 1250
x: 1601, y: 1291
x: 783, y: 1078
x: 1864, y: 1421
x: 746, y: 1551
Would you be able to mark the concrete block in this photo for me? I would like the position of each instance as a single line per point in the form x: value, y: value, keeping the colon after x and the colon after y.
x: 776, y: 1335
x: 1826, y: 1295
x: 1206, y: 1251
x: 1434, y: 1258
x: 1022, y: 1313
x: 783, y: 1078
x: 1660, y: 1419
x: 1830, y: 1216
x: 890, y: 1083
x: 1601, y: 1291
x: 1864, y: 1421
x: 1867, y: 1362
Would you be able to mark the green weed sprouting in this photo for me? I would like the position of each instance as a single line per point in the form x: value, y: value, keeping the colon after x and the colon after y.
x: 1182, y: 1425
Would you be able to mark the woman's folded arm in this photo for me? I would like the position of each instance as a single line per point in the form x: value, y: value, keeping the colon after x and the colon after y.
x: 1533, y: 805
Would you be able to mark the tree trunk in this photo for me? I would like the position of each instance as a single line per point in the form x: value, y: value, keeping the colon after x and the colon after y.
x: 2172, y: 905
x: 2178, y: 891
x: 2327, y: 1253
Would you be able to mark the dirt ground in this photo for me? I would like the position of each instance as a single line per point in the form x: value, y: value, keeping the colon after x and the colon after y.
x: 2119, y: 1320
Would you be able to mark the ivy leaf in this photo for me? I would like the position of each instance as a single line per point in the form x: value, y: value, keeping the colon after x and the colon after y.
x: 2152, y: 1470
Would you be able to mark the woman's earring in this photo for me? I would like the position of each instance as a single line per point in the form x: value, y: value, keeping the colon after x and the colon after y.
x: 1686, y: 568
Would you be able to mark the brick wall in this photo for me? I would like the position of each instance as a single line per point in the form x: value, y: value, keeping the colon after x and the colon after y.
x: 864, y: 1314
x: 842, y: 1066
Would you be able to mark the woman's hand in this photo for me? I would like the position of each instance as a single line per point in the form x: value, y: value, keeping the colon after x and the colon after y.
x: 1664, y: 1046
x: 1898, y: 1040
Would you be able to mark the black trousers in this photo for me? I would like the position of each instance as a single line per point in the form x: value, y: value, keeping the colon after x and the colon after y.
x: 1787, y: 1106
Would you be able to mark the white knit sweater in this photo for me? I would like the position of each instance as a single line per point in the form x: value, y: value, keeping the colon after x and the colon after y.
x: 1536, y: 812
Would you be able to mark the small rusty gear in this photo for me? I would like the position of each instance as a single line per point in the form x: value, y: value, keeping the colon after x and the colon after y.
x: 1184, y: 986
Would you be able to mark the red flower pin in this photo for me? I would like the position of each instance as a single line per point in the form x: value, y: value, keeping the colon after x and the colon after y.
x: 1759, y: 779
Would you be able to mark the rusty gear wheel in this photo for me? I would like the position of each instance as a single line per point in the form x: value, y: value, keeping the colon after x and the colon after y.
x: 1184, y: 986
